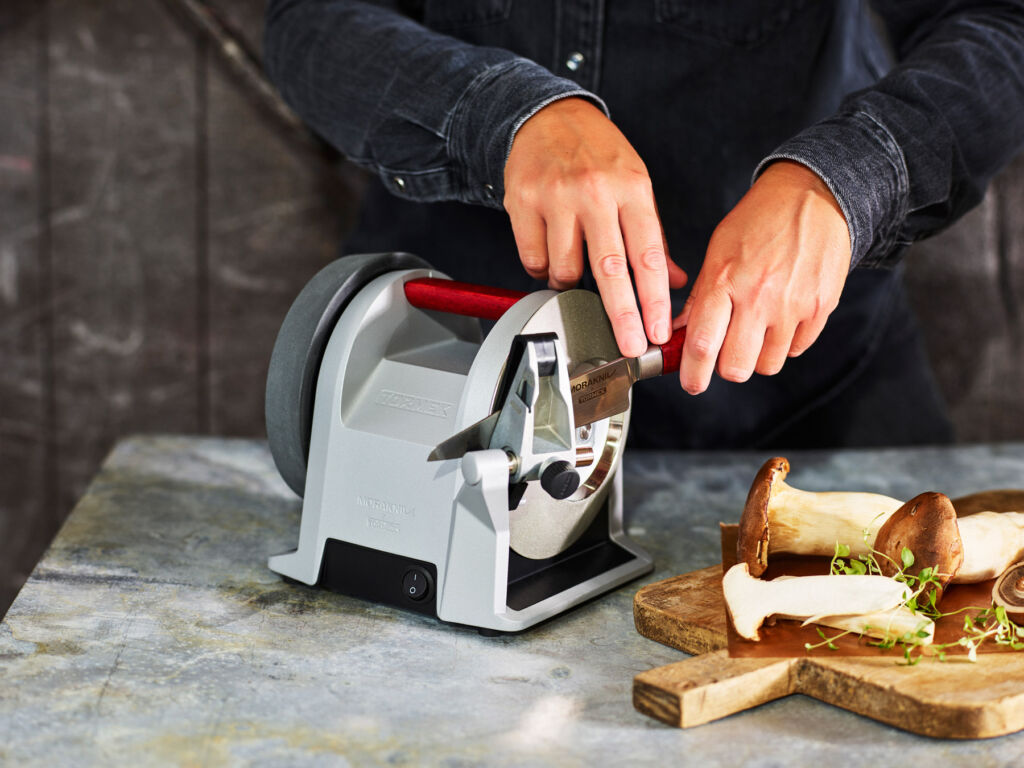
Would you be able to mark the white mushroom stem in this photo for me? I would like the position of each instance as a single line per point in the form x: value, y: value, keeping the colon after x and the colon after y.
x: 750, y: 601
x: 806, y: 523
x: 896, y: 622
x: 992, y: 541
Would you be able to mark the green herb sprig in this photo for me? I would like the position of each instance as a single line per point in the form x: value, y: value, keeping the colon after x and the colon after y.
x: 989, y: 624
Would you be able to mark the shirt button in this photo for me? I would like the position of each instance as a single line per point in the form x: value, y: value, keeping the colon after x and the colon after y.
x: 575, y: 61
x: 399, y: 182
x: 489, y: 191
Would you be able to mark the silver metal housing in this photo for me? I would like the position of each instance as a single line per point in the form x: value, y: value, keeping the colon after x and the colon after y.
x: 394, y: 382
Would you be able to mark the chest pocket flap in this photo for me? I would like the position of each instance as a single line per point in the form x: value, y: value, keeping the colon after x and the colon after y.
x: 736, y: 22
x: 443, y: 15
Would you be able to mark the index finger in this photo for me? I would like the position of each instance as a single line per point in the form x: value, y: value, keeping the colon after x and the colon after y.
x: 607, y: 253
x: 645, y: 247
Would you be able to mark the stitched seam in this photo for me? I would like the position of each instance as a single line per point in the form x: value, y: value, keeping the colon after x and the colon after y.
x: 894, y: 155
x: 423, y: 172
x: 475, y: 85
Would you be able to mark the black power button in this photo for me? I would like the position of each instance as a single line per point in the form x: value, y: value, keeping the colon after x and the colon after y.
x: 417, y: 584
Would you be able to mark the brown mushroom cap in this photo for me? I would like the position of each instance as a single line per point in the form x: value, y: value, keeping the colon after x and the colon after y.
x: 926, y: 525
x: 1008, y: 591
x: 752, y: 542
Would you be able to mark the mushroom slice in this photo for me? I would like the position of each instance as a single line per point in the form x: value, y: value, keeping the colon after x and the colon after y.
x: 1008, y: 591
x: 750, y: 600
x: 780, y: 518
x: 896, y: 622
x: 927, y: 526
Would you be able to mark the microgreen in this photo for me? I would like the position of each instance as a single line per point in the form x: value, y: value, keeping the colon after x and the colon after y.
x: 907, y: 557
x: 827, y: 642
x: 989, y: 624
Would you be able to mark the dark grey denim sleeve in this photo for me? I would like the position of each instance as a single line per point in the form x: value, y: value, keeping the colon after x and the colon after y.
x: 915, y: 151
x: 432, y: 115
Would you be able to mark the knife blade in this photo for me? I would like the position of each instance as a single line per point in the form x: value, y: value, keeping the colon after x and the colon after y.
x: 475, y: 437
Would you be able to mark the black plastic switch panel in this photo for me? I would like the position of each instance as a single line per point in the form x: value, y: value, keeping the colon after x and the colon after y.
x: 416, y: 584
x: 379, y: 576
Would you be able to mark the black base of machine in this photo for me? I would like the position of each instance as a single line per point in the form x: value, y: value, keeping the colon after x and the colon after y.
x: 530, y: 581
x: 383, y: 577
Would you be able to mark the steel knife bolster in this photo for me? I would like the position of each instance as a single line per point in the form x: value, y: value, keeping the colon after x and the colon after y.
x: 604, y: 391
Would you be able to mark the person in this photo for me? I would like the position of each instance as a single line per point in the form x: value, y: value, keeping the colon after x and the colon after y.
x: 773, y: 150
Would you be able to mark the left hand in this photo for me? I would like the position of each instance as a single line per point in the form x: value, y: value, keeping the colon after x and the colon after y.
x: 773, y: 273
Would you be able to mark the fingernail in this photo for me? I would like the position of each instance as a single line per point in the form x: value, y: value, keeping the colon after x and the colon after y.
x: 693, y: 388
x: 738, y: 375
x: 635, y: 345
x: 660, y: 332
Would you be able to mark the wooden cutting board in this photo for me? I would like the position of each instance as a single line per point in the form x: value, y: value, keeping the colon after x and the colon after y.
x: 953, y: 699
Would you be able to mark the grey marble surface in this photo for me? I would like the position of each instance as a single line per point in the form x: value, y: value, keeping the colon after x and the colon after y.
x: 152, y: 633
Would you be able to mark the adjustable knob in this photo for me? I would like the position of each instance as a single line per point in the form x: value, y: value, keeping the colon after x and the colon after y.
x: 560, y: 479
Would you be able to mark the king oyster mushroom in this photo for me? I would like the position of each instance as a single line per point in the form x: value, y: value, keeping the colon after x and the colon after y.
x: 927, y: 526
x: 778, y: 518
x: 870, y: 604
x: 1008, y: 591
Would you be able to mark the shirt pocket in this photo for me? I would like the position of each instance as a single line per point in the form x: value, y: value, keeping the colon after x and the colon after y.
x: 443, y: 15
x: 745, y: 23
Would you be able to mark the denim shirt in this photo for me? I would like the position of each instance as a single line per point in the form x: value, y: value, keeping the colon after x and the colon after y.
x: 905, y: 112
x: 430, y: 94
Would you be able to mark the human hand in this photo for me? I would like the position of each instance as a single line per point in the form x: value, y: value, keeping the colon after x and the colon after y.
x: 772, y: 275
x: 572, y: 177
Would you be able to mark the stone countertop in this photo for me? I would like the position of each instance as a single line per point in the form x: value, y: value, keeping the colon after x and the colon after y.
x: 153, y: 632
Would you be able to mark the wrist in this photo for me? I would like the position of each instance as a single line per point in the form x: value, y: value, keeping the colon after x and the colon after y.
x: 800, y: 182
x: 799, y: 176
x: 865, y: 170
x: 565, y: 110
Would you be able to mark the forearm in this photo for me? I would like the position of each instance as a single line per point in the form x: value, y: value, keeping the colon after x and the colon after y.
x: 909, y: 155
x: 432, y: 115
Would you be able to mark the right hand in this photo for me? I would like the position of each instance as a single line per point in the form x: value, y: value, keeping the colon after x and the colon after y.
x: 572, y: 177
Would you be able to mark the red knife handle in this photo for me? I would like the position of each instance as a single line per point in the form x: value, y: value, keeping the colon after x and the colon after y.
x: 672, y: 352
x: 460, y: 298
x: 490, y: 303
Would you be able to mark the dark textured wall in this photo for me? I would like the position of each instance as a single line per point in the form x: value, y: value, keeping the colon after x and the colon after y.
x: 155, y: 224
x: 967, y: 286
x: 154, y: 227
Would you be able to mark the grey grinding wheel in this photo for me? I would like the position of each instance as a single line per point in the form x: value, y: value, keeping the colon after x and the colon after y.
x: 295, y: 361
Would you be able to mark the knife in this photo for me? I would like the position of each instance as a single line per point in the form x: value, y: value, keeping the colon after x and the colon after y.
x: 597, y: 394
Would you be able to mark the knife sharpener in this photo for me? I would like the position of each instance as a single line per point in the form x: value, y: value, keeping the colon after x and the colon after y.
x: 380, y: 359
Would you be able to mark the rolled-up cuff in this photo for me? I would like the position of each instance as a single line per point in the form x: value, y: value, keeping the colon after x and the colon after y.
x: 864, y: 168
x: 487, y: 117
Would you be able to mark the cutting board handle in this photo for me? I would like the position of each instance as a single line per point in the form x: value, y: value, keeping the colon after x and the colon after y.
x: 710, y: 686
